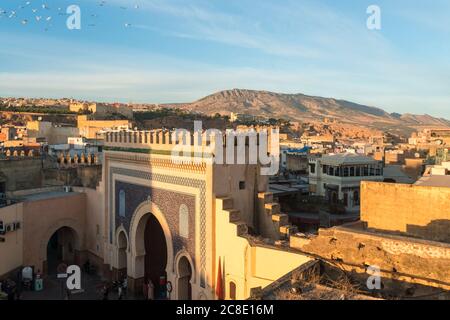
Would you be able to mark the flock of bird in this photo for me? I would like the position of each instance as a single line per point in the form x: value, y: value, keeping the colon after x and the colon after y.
x: 44, y: 13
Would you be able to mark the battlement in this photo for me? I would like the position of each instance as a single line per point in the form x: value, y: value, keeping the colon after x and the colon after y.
x: 163, y: 138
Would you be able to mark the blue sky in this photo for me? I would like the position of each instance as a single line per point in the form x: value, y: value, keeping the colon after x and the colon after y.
x: 181, y: 50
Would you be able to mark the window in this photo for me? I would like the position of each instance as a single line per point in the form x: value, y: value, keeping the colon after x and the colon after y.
x: 366, y: 171
x: 337, y: 172
x: 331, y: 171
x: 184, y: 221
x: 358, y: 171
x: 312, y: 168
x: 232, y: 290
x: 122, y: 203
x: 241, y: 185
x: 346, y: 171
x: 352, y: 171
x: 346, y: 199
x: 324, y: 169
x: 356, y: 198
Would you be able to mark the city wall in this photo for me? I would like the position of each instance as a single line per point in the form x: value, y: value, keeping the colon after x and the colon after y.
x: 417, y: 211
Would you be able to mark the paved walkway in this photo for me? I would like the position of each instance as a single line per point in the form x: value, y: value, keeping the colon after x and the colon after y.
x: 90, y: 284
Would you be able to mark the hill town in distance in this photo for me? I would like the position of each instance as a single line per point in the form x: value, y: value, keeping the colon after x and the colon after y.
x: 354, y: 206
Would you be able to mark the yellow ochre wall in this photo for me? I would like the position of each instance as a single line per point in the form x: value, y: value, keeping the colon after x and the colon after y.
x: 419, y: 211
x: 11, y: 254
x: 248, y: 265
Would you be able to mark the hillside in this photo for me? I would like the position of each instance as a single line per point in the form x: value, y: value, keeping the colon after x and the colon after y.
x: 300, y: 107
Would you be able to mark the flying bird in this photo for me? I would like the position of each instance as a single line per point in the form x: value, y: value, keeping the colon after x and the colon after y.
x: 48, y: 18
x: 38, y: 18
x: 127, y: 25
x: 25, y: 21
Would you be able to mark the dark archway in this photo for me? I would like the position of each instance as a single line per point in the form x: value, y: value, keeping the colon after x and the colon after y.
x: 61, y: 248
x: 122, y: 245
x: 184, y: 279
x: 155, y: 254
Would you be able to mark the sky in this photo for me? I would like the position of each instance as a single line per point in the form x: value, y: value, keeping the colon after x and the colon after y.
x: 165, y: 51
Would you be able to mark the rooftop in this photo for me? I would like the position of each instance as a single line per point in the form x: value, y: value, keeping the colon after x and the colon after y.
x: 347, y: 158
x: 434, y: 181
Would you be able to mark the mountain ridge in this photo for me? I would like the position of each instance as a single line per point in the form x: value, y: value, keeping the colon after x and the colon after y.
x: 298, y: 107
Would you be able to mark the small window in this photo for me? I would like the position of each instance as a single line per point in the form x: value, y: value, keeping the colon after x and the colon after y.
x: 232, y: 290
x: 346, y: 199
x: 122, y: 203
x: 346, y: 171
x: 337, y: 172
x: 356, y: 199
x: 241, y: 185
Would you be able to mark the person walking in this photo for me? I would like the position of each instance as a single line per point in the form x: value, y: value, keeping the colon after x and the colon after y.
x: 120, y: 291
x: 145, y: 289
x: 105, y: 292
x: 151, y: 291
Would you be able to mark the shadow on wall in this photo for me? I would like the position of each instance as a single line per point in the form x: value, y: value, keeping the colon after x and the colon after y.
x: 436, y: 230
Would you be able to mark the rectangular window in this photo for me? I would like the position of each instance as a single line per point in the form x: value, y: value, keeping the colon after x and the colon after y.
x: 241, y: 185
x: 337, y: 171
x: 346, y: 171
x: 366, y: 171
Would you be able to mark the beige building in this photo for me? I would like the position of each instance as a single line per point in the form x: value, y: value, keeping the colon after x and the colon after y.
x: 152, y: 216
x: 52, y: 134
x: 94, y: 129
x: 337, y: 177
x: 403, y: 235
x: 103, y: 109
x: 198, y: 221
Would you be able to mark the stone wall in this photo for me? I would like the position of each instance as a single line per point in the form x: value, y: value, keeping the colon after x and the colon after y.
x: 402, y: 259
x: 11, y: 255
x: 411, y: 210
x: 22, y: 174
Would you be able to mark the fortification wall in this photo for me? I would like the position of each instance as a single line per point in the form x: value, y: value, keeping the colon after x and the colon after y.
x: 411, y: 210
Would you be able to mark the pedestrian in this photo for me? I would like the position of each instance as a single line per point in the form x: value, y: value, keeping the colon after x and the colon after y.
x: 68, y: 294
x: 145, y: 289
x: 151, y: 291
x: 125, y: 285
x: 105, y: 292
x: 120, y: 291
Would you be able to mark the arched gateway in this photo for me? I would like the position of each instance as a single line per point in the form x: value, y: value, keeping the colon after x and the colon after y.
x: 151, y: 248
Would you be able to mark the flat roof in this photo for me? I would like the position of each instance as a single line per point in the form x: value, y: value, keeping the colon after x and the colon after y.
x: 434, y: 181
x: 47, y: 195
x: 346, y: 158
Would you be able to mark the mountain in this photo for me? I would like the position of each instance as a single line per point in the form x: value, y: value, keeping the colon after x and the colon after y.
x: 298, y: 107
